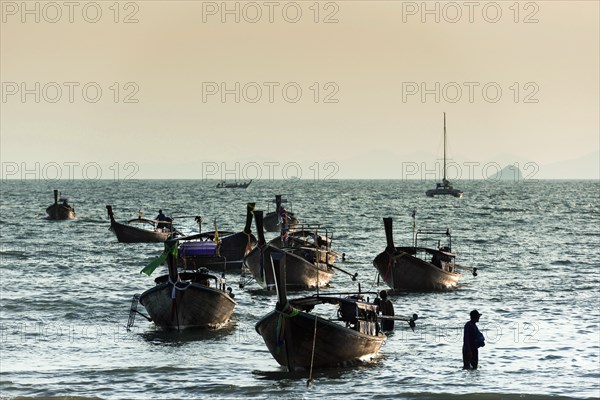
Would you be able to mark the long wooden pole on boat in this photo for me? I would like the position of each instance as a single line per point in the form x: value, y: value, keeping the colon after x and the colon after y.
x: 344, y: 271
x: 410, y: 320
x: 249, y: 215
x: 472, y: 269
x: 317, y: 259
x: 389, y: 240
x: 279, y: 274
x: 258, y: 218
x: 310, y: 381
x: 173, y: 275
x: 278, y: 265
x: 414, y: 217
x: 389, y: 235
x: 110, y: 213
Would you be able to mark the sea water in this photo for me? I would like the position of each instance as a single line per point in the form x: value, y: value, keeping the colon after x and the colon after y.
x: 66, y: 290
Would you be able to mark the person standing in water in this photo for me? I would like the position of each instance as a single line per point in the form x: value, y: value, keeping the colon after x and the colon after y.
x: 472, y: 340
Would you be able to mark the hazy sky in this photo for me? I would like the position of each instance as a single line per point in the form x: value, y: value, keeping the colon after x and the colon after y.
x: 350, y: 89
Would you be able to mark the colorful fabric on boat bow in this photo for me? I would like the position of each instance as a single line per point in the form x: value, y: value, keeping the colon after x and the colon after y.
x: 149, y: 269
x: 286, y: 312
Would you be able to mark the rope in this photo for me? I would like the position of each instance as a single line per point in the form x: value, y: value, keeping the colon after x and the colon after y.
x: 388, y: 270
x: 174, y: 312
x: 261, y: 262
x: 312, y: 357
x: 287, y: 312
x: 375, y: 283
x: 248, y: 244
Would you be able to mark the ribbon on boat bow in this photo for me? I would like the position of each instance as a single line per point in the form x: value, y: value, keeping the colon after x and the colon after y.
x: 288, y: 311
x: 149, y: 269
x: 388, y: 270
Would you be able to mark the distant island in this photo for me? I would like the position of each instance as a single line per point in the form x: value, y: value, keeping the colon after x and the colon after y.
x: 508, y: 173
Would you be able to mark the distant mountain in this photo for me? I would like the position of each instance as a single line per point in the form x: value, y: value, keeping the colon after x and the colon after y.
x: 508, y: 173
x: 388, y: 163
x: 587, y: 167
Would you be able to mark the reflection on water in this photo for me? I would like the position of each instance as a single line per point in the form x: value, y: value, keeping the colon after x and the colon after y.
x: 326, y: 374
x: 181, y: 338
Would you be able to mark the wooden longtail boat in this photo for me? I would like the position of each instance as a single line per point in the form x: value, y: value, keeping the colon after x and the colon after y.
x: 60, y: 210
x: 236, y: 185
x: 308, y: 238
x: 305, y: 266
x: 300, y: 340
x: 184, y: 300
x: 195, y: 250
x: 402, y: 269
x: 147, y: 231
x: 273, y: 220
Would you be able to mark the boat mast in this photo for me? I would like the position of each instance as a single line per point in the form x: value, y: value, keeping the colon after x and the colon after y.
x: 444, y: 179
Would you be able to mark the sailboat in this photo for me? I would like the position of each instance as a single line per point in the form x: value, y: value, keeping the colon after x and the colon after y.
x: 444, y: 187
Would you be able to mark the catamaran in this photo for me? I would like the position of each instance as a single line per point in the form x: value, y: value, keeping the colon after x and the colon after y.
x: 444, y: 187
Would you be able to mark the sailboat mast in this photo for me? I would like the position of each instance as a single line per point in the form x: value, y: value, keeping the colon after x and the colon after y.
x: 444, y: 180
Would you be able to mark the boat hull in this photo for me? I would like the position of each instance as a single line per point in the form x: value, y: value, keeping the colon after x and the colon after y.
x: 335, y: 345
x: 194, y: 306
x: 301, y: 273
x: 403, y: 271
x: 237, y: 185
x: 60, y: 212
x: 444, y: 192
x: 131, y: 234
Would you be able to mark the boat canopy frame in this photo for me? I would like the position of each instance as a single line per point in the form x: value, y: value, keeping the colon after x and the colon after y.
x: 434, y: 232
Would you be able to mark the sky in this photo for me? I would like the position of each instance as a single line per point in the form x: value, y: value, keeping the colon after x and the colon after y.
x: 276, y: 90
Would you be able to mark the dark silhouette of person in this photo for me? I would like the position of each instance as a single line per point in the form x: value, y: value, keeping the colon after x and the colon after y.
x: 161, y: 216
x: 162, y: 221
x: 387, y: 308
x: 284, y: 226
x: 472, y: 340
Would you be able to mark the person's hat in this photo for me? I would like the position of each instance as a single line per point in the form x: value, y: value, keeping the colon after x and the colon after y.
x: 474, y: 313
